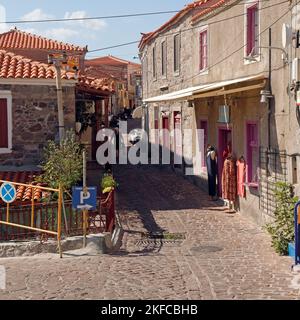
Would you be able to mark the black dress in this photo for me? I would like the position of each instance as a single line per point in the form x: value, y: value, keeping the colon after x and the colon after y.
x: 212, y: 170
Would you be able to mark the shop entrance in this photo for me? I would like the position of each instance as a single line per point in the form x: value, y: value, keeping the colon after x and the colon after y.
x: 224, y: 138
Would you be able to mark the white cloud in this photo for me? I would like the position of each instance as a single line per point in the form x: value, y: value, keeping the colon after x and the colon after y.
x: 3, y: 26
x: 61, y: 31
x: 61, y: 34
x: 89, y: 24
x: 36, y: 14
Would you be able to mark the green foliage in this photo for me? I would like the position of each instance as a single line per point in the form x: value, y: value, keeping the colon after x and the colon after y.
x: 62, y: 163
x: 282, y: 229
x: 108, y: 181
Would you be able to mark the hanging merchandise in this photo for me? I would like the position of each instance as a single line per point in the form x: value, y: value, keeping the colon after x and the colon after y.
x: 241, y: 177
x: 229, y: 183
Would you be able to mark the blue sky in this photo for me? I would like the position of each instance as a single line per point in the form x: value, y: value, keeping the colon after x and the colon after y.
x: 95, y: 34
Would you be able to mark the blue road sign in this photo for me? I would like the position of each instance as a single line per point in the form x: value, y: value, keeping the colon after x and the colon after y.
x: 84, y: 201
x: 8, y: 192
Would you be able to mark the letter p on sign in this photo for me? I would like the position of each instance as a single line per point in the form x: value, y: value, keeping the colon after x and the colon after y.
x: 84, y: 196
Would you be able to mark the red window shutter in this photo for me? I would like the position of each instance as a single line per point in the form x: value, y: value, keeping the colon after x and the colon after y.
x: 3, y: 124
x: 249, y: 31
x: 203, y: 50
x: 252, y: 17
x: 200, y: 53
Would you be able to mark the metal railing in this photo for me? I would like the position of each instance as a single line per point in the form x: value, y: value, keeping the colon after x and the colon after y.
x: 43, y: 220
x: 32, y: 226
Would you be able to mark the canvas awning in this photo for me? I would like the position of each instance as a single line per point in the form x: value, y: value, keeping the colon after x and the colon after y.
x: 210, y: 89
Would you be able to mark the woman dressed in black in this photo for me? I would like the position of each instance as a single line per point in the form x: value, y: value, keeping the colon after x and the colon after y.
x: 212, y: 171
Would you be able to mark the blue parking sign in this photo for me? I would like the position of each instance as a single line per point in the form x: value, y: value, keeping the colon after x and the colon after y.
x: 84, y: 201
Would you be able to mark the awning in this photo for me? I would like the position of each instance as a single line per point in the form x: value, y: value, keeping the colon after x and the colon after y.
x: 195, y: 92
x: 137, y: 113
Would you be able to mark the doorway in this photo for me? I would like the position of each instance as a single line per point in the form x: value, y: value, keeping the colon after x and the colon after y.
x: 224, y: 137
x: 177, y: 142
x: 166, y: 136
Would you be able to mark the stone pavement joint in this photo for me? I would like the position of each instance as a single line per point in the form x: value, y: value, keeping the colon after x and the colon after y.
x: 222, y: 257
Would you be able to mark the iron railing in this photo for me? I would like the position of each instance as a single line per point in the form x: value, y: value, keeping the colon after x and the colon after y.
x: 103, y: 219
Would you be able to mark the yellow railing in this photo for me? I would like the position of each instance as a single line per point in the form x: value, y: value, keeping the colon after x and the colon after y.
x: 32, y: 227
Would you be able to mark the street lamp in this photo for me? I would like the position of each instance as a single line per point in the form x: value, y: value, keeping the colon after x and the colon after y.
x: 57, y: 60
x: 253, y: 54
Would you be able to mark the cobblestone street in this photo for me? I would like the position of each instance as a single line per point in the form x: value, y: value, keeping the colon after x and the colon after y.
x: 223, y: 256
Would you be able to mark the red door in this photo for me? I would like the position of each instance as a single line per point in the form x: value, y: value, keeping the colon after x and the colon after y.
x: 166, y: 133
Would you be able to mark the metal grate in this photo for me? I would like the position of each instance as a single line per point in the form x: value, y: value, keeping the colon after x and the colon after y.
x: 159, y: 239
x: 273, y: 169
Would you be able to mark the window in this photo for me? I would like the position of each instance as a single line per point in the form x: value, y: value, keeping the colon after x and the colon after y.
x: 176, y: 53
x: 203, y: 50
x: 252, y: 30
x: 154, y: 62
x: 203, y: 126
x: 5, y: 123
x: 252, y: 151
x: 295, y: 170
x: 164, y: 58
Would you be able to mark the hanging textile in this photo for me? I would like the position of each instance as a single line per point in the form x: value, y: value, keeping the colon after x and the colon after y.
x: 241, y: 177
x: 229, y: 180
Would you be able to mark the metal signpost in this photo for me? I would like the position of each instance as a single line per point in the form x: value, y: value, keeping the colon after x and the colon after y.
x: 8, y: 194
x: 85, y: 199
x: 297, y: 234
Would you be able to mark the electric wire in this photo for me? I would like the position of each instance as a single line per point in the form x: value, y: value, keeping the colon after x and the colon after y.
x: 188, y: 29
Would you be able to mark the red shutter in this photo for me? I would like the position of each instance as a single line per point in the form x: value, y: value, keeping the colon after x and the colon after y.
x: 203, y: 50
x: 3, y: 124
x: 249, y: 31
x: 251, y: 28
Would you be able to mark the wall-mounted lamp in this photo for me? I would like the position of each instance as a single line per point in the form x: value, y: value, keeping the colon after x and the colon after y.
x: 265, y: 95
x: 252, y: 57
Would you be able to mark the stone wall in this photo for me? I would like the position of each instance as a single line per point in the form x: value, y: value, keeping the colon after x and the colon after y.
x: 34, y: 110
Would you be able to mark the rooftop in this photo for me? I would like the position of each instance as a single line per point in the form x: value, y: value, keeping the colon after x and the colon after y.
x: 15, y: 66
x: 18, y: 39
x: 200, y: 8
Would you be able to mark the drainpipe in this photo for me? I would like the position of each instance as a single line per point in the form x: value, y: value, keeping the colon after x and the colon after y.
x: 270, y: 89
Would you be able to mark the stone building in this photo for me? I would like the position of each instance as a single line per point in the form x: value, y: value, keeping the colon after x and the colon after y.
x: 218, y: 68
x: 28, y: 106
x: 27, y: 78
x: 126, y: 75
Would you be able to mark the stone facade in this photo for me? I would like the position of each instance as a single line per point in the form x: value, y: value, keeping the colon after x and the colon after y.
x: 34, y: 121
x: 226, y: 61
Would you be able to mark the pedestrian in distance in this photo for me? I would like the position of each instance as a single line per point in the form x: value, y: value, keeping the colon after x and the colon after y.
x: 212, y: 171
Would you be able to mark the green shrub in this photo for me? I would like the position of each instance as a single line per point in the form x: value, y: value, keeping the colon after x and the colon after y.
x: 282, y: 229
x: 62, y: 163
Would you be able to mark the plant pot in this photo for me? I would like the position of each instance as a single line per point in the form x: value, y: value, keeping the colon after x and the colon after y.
x: 292, y: 252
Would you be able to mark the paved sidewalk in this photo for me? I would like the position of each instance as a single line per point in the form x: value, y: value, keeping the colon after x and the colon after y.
x: 223, y: 257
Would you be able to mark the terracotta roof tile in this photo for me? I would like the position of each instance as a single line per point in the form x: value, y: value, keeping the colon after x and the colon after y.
x: 102, y: 84
x: 23, y: 40
x: 25, y: 177
x: 109, y: 60
x: 16, y: 66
